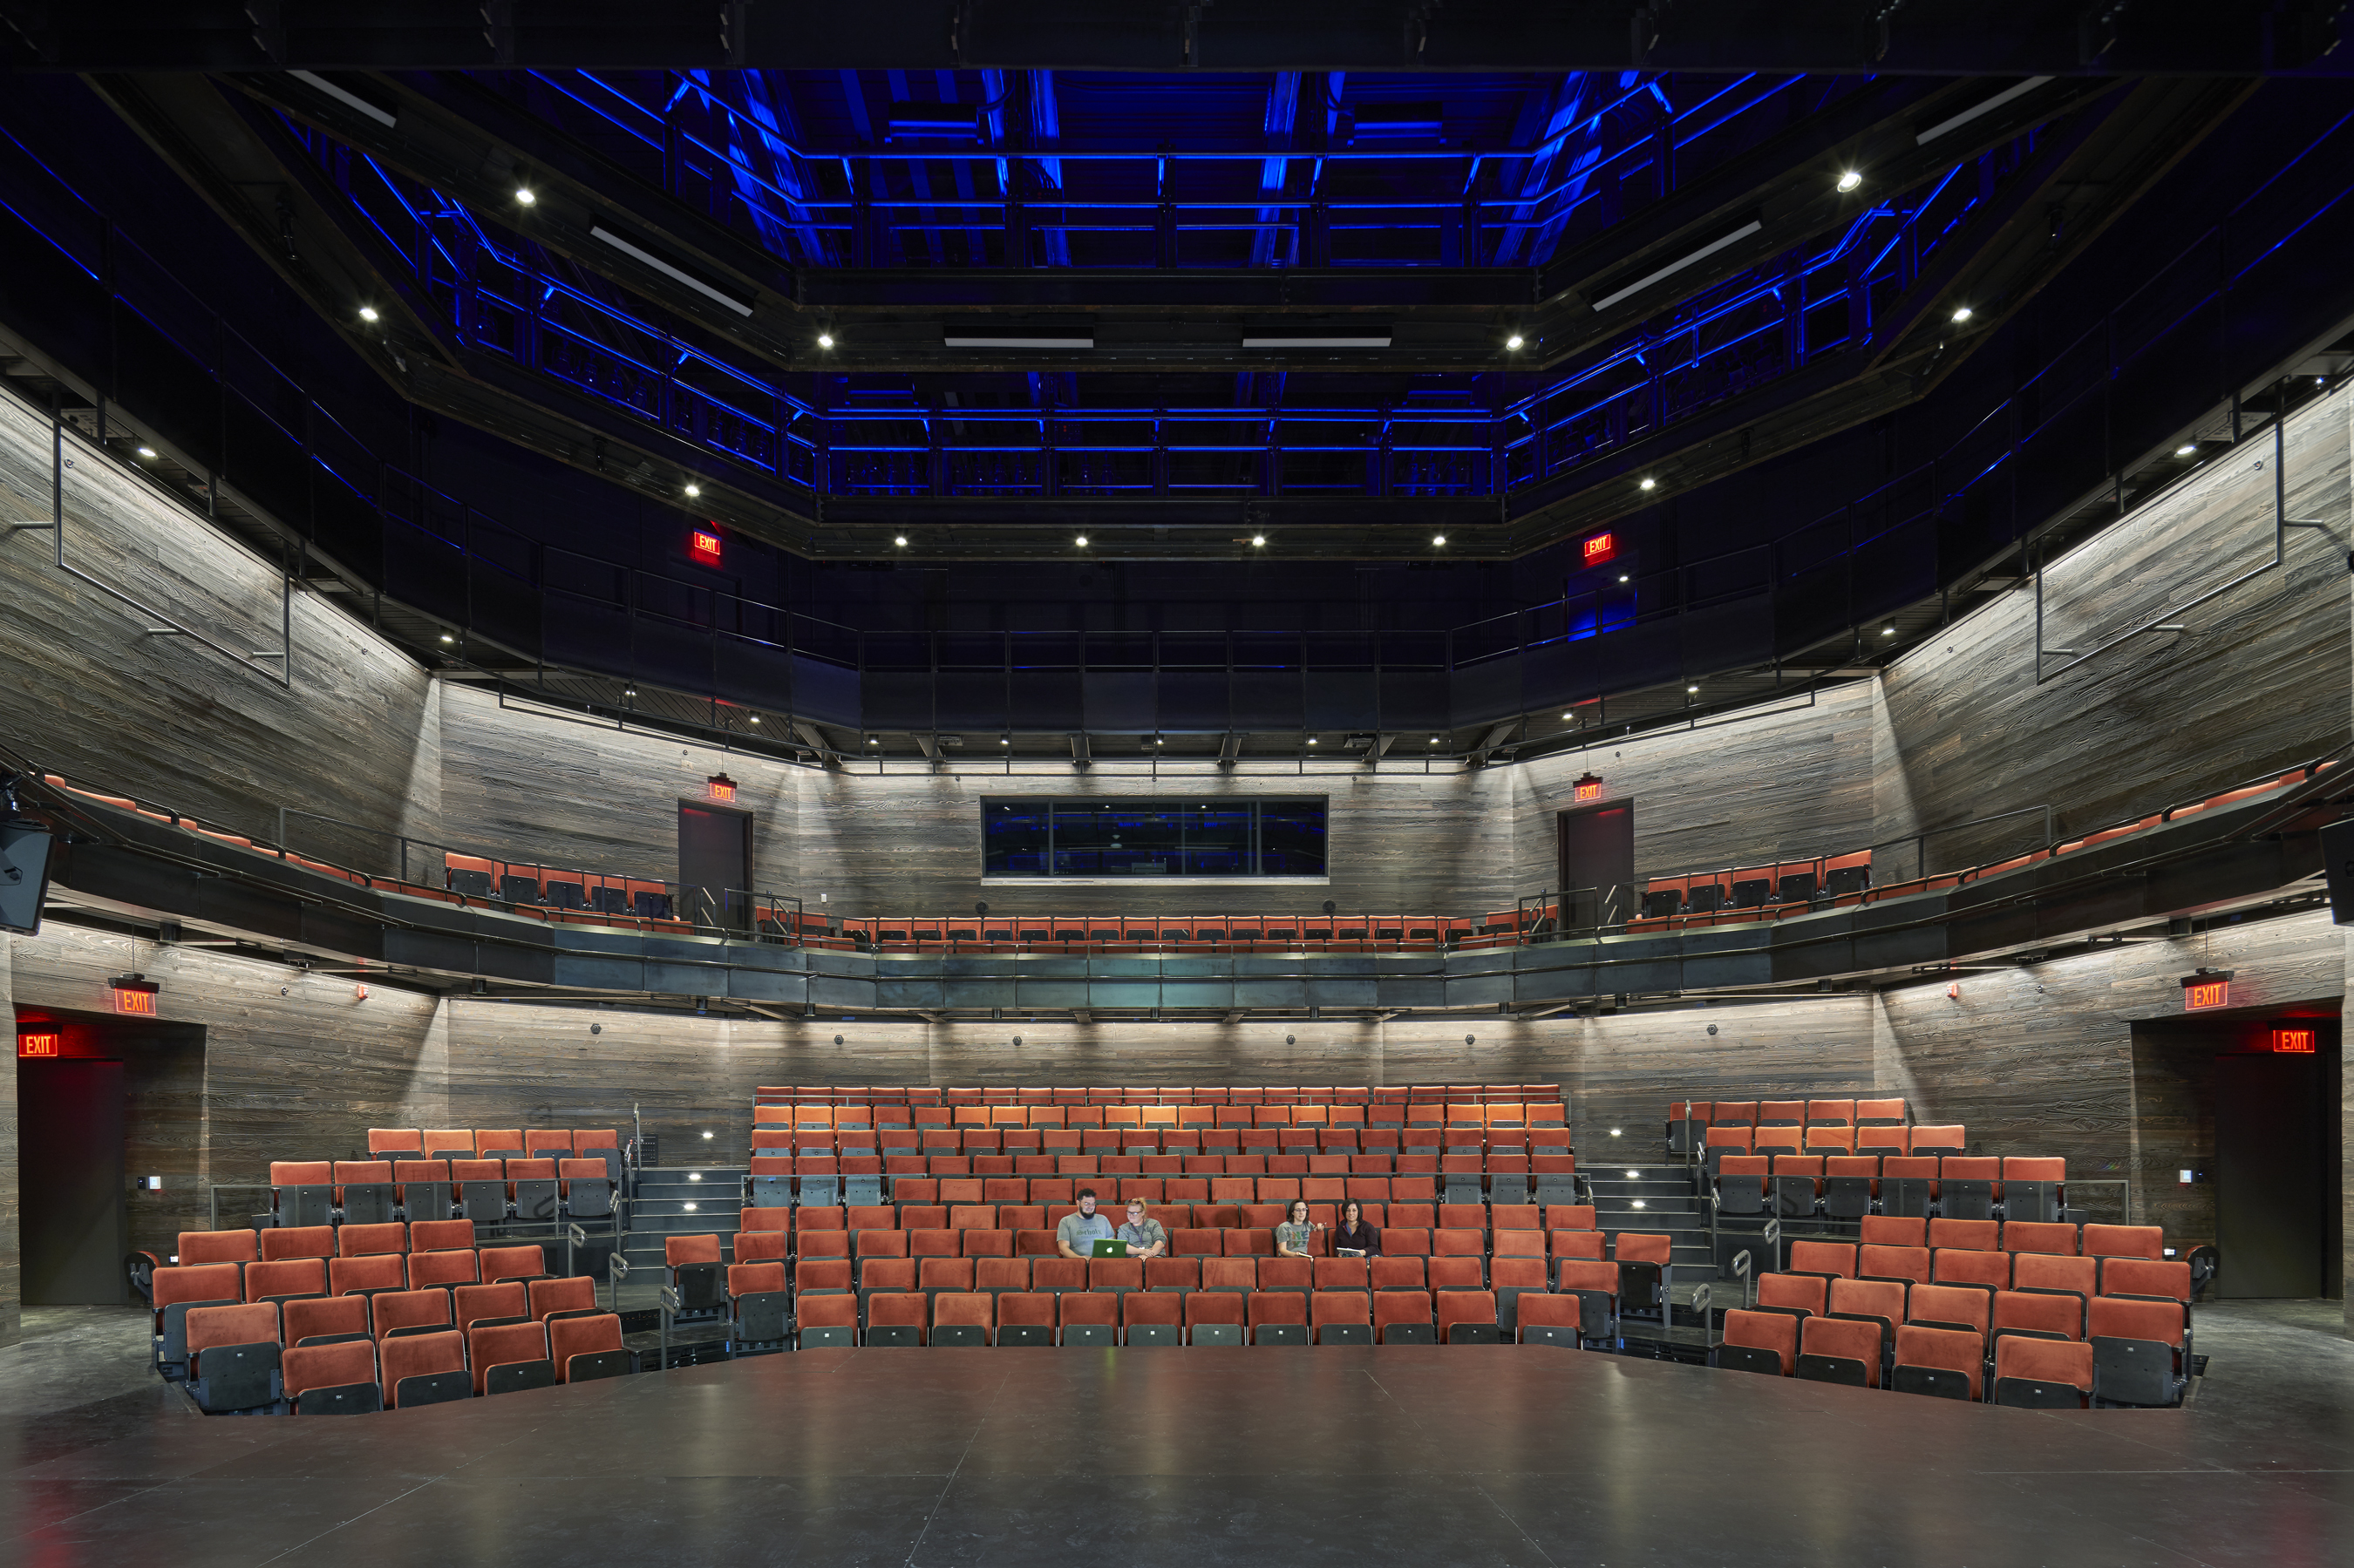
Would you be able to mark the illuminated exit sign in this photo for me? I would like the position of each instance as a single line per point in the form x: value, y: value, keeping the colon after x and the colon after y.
x: 2207, y: 988
x: 703, y: 546
x: 1600, y: 547
x: 2293, y: 1041
x: 46, y: 1046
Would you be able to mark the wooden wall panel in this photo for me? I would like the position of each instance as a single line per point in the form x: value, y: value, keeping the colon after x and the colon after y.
x: 2257, y: 683
x: 300, y: 1074
x: 12, y: 1270
x: 87, y: 690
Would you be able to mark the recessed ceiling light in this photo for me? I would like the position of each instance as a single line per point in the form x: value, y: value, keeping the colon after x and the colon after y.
x: 1083, y: 541
x: 1312, y: 741
x: 1848, y: 179
x: 1961, y: 313
x: 873, y: 740
x: 368, y: 312
x: 525, y: 196
x: 1158, y: 741
x: 1257, y: 539
x: 1888, y: 631
x: 1651, y: 484
x: 690, y: 1207
x: 1639, y: 1203
x: 1691, y: 689
x: 698, y: 1178
x: 146, y: 452
x: 1438, y: 539
x: 901, y: 540
x: 1434, y: 740
x: 2187, y: 448
x: 1568, y: 716
x: 1002, y: 740
x: 1622, y: 577
x: 1514, y: 340
x: 694, y: 489
x: 825, y: 340
x: 447, y: 638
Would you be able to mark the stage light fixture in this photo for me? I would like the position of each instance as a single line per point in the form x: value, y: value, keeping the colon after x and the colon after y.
x: 447, y: 638
x: 1888, y: 631
x: 2187, y: 448
x: 1962, y: 312
x: 527, y: 196
x: 1622, y: 577
x: 1434, y: 740
x: 369, y: 314
x: 1438, y: 539
x: 694, y: 489
x: 1651, y: 484
x: 1515, y: 341
x: 147, y: 451
x: 752, y: 718
x: 1258, y: 540
x: 825, y: 340
x: 1850, y: 179
x: 901, y: 540
x: 1691, y: 690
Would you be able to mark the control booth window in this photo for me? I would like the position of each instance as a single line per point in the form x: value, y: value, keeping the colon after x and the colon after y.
x: 1152, y: 838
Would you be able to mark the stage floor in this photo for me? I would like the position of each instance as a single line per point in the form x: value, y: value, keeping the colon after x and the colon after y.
x: 1040, y: 1458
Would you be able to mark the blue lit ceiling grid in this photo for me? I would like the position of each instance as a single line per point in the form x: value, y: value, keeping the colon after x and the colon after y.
x: 1544, y: 163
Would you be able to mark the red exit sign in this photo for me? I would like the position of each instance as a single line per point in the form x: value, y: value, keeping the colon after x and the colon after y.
x: 704, y: 546
x: 1600, y: 547
x: 2201, y: 995
x: 2293, y: 1041
x: 37, y: 1044
x: 1590, y: 792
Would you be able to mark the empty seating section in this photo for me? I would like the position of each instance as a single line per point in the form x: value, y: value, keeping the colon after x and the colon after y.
x: 1979, y: 1279
x: 536, y: 1177
x: 367, y: 1327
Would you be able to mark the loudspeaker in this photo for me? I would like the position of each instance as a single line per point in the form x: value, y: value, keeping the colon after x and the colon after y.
x: 2338, y: 863
x: 24, y: 877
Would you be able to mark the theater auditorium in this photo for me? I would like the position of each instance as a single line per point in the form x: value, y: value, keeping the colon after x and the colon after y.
x: 989, y: 781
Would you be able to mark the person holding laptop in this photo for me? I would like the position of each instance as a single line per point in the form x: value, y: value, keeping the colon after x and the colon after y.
x: 1352, y: 1237
x: 1144, y: 1237
x: 1077, y: 1234
x: 1292, y: 1237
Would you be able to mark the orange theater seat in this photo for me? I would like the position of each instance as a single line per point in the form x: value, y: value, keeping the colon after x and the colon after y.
x: 586, y: 1348
x: 1760, y: 1343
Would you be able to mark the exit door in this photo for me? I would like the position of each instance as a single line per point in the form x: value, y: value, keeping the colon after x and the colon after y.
x: 1597, y: 865
x: 72, y: 1223
x: 2270, y: 1175
x: 715, y: 865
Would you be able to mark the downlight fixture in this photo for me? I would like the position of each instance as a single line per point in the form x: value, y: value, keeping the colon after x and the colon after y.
x: 1850, y: 179
x: 527, y: 196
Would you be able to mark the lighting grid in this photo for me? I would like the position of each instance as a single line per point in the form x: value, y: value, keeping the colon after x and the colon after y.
x: 931, y: 181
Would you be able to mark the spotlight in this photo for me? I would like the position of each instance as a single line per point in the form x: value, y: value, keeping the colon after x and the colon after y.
x: 754, y: 718
x: 873, y: 740
x: 1888, y: 631
x: 1651, y: 484
x: 825, y: 340
x: 1634, y: 1175
x: 1690, y: 690
x: 1566, y: 717
x: 628, y: 691
x: 1622, y: 577
x: 1848, y: 179
x: 1258, y: 540
x: 147, y: 451
x: 1961, y: 313
x: 696, y: 1175
x: 690, y: 1207
x: 1158, y: 741
x: 1614, y: 1132
x: 368, y: 312
x: 1434, y: 740
x: 2187, y: 448
x: 1004, y: 740
x: 1083, y: 541
x: 447, y: 638
x: 694, y: 489
x: 698, y: 1178
x: 1639, y: 1203
x: 1312, y: 741
x: 1514, y: 340
x: 901, y: 540
x: 525, y: 196
x: 1438, y: 539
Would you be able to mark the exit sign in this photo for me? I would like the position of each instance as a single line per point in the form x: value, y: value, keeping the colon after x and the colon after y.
x: 37, y: 1044
x: 1600, y: 547
x: 2293, y: 1041
x: 704, y: 546
x: 2198, y: 996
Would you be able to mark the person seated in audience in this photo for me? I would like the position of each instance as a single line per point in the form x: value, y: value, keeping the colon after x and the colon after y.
x: 1145, y: 1239
x: 1077, y: 1234
x: 1292, y: 1237
x: 1352, y: 1237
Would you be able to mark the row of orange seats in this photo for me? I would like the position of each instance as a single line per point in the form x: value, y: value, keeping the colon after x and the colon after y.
x: 1074, y: 1098
x: 1289, y: 1143
x: 489, y: 1143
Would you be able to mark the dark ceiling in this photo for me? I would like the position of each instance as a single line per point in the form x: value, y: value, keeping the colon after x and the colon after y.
x: 1179, y: 319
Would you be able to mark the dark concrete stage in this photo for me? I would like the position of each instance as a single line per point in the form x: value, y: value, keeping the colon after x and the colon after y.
x: 1459, y: 1455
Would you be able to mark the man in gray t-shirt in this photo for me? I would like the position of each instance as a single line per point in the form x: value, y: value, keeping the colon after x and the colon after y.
x: 1077, y: 1234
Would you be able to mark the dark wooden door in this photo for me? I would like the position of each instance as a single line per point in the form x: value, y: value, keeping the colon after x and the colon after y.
x: 1598, y: 863
x: 2268, y: 1176
x: 715, y: 865
x: 71, y: 1178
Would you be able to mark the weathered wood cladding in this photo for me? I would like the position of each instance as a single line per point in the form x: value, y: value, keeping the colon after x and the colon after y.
x: 12, y: 1270
x: 86, y: 688
x: 2256, y: 683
